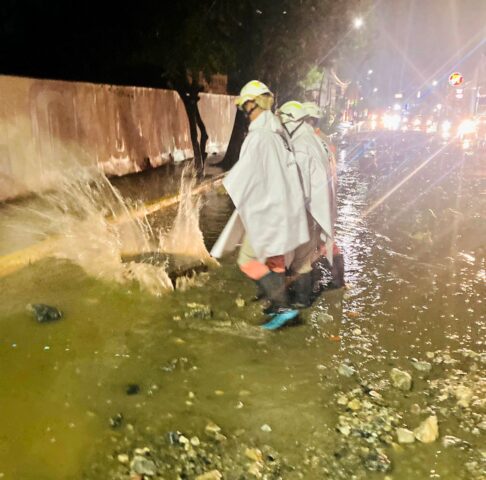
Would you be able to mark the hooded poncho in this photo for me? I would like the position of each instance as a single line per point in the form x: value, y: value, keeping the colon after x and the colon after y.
x: 266, y: 189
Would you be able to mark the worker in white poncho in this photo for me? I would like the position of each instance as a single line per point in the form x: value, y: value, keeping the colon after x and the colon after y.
x: 316, y: 180
x: 270, y: 216
x: 314, y: 114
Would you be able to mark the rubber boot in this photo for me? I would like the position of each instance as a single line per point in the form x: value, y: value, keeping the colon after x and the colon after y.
x: 259, y: 294
x: 273, y: 284
x: 337, y: 271
x: 272, y: 287
x: 302, y: 289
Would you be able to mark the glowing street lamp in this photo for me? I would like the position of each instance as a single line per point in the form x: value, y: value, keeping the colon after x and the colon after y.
x: 358, y: 23
x: 370, y: 71
x: 434, y: 83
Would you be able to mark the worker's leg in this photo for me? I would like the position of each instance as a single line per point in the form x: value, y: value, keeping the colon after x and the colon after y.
x: 336, y: 269
x: 304, y: 257
x: 270, y: 280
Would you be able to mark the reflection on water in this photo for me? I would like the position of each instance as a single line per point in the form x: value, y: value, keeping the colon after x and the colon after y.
x: 416, y: 271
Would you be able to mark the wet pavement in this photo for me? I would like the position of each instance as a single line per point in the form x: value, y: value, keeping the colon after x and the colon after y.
x: 191, y: 377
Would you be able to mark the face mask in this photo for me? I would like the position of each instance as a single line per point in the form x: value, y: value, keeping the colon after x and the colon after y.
x: 249, y: 112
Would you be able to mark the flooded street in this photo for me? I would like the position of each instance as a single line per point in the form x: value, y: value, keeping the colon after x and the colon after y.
x: 191, y: 377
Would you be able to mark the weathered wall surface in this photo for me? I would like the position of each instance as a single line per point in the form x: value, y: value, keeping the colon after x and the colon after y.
x: 48, y: 126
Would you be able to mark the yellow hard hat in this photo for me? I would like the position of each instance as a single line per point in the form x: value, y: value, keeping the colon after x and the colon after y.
x: 251, y: 91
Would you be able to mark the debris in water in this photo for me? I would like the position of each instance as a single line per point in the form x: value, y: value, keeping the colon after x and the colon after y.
x: 44, y: 313
x: 198, y: 310
x: 116, y: 421
x: 346, y: 370
x: 240, y: 302
x: 132, y: 389
x: 377, y: 462
x: 123, y: 458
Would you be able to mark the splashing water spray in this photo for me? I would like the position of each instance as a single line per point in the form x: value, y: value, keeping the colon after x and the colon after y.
x: 93, y: 226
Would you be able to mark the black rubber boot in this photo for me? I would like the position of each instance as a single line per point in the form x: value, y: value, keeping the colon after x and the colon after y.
x: 337, y: 271
x: 303, y: 293
x: 273, y: 286
x: 259, y: 294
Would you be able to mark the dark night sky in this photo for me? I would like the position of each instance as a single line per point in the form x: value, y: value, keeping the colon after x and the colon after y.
x: 416, y: 41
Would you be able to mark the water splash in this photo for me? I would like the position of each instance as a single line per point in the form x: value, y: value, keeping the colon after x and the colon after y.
x: 185, y: 238
x: 94, y: 227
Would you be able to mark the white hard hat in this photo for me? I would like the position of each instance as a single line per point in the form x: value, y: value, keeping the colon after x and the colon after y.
x: 313, y: 110
x: 292, y: 111
x: 251, y: 91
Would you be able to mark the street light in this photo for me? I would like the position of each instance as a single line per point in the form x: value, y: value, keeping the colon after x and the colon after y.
x: 434, y: 83
x: 375, y: 89
x: 370, y: 71
x: 358, y: 23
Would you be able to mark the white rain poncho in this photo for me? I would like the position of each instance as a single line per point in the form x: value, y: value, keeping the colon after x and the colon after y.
x: 313, y: 163
x: 265, y: 187
x: 331, y: 161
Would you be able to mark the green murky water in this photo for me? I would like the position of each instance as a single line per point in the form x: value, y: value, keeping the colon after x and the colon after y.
x: 417, y: 275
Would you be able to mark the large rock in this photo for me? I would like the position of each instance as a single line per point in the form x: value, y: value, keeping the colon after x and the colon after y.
x: 428, y: 430
x: 401, y: 380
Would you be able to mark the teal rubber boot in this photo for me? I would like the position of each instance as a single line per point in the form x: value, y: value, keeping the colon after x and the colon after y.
x: 273, y: 284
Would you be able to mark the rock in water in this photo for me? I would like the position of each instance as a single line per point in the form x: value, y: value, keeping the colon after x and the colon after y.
x: 405, y: 436
x: 464, y: 395
x: 116, y: 421
x: 44, y: 313
x: 176, y: 266
x: 377, y: 462
x: 212, y: 475
x: 401, y: 380
x: 346, y: 370
x: 143, y: 466
x: 428, y: 430
x: 132, y: 389
x: 422, y: 366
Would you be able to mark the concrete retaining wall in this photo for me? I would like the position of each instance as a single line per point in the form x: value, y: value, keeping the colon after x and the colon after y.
x: 48, y: 127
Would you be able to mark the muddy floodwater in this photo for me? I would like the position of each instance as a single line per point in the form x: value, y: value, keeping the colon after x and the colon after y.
x: 187, y: 385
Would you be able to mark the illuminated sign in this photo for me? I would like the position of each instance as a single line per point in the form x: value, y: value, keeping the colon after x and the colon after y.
x: 455, y: 79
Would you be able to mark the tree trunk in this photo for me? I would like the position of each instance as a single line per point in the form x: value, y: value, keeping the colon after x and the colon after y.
x: 190, y: 99
x: 236, y: 140
x: 204, y: 134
